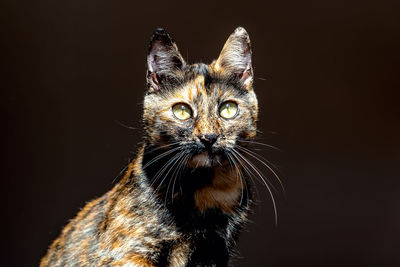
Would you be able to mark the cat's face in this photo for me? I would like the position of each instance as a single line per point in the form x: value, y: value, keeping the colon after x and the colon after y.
x: 204, y: 109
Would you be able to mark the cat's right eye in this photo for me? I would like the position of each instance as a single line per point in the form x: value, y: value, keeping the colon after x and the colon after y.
x: 182, y: 111
x: 228, y: 110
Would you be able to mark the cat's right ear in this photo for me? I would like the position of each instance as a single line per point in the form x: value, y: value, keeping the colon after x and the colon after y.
x: 235, y: 58
x: 165, y: 64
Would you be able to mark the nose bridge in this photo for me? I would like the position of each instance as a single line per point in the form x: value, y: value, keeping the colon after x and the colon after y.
x: 206, y: 121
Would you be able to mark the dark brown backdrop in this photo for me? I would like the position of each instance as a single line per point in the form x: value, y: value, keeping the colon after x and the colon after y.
x: 73, y: 71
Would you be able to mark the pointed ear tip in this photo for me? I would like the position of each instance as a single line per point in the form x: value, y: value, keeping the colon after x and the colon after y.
x: 160, y: 30
x: 240, y: 31
x: 159, y: 33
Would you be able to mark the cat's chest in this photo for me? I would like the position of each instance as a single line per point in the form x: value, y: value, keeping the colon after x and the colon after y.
x: 202, y: 250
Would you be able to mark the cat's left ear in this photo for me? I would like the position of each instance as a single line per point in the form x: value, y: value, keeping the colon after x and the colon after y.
x: 235, y: 58
x: 165, y: 64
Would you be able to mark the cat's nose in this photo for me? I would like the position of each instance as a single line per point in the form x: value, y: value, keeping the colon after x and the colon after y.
x: 208, y: 139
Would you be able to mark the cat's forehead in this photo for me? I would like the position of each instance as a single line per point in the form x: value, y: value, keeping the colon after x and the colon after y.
x: 198, y: 76
x: 203, y: 81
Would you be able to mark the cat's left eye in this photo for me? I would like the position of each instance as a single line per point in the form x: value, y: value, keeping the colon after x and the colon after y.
x: 182, y: 111
x: 228, y: 110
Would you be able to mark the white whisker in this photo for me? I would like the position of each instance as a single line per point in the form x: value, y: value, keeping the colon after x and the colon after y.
x: 264, y: 181
x: 158, y: 157
x: 259, y: 143
x: 257, y: 157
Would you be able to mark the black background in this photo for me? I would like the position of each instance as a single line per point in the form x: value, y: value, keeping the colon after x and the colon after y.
x: 328, y: 85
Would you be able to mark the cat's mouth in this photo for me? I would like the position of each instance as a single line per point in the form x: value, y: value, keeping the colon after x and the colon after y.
x: 205, y: 160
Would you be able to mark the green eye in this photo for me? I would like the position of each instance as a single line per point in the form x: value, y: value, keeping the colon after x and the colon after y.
x: 228, y: 110
x: 182, y: 111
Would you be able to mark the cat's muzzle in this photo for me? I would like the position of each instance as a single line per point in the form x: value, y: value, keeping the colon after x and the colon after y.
x: 205, y: 160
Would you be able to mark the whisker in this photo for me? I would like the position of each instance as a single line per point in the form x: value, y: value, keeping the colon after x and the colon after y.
x: 174, y: 160
x: 163, y: 169
x: 265, y: 183
x: 239, y: 173
x: 177, y: 163
x: 183, y: 170
x: 260, y: 156
x: 180, y: 168
x: 126, y: 126
x: 258, y: 172
x: 259, y: 143
x: 257, y: 157
x: 175, y: 172
x: 121, y: 172
x: 158, y: 157
x: 250, y: 173
x: 160, y: 147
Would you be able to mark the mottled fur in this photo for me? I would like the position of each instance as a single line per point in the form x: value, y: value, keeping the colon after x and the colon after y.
x: 182, y: 201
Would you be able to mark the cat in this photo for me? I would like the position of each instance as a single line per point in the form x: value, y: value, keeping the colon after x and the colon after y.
x: 185, y: 197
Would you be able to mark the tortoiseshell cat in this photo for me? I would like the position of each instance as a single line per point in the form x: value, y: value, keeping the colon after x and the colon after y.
x: 184, y: 199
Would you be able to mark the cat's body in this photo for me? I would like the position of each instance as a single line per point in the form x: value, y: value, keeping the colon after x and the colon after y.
x: 184, y: 198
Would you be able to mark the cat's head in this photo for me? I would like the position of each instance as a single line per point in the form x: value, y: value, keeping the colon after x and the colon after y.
x: 205, y: 110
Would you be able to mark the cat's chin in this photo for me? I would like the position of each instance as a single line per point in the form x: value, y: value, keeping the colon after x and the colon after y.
x: 205, y: 160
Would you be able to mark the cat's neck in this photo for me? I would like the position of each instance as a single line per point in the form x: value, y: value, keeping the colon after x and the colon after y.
x: 195, y: 197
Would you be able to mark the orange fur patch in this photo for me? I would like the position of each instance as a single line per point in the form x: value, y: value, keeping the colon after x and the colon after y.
x: 223, y: 193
